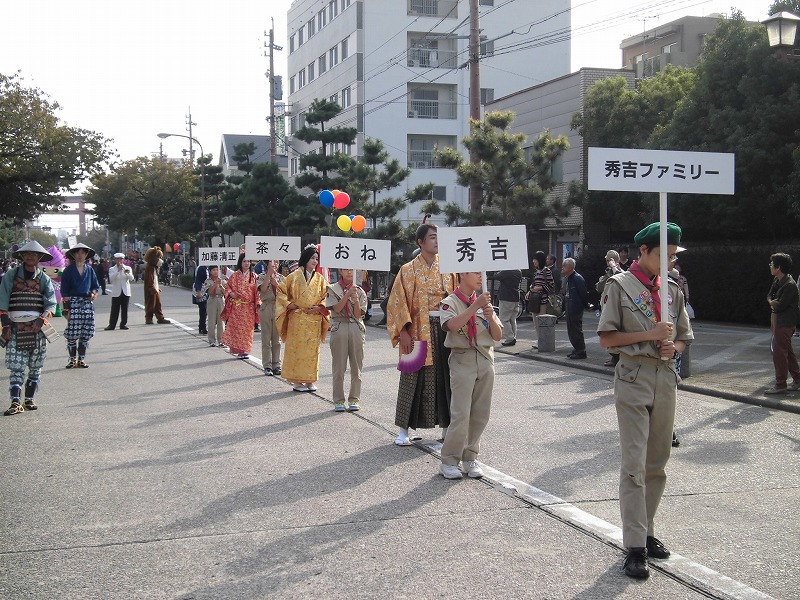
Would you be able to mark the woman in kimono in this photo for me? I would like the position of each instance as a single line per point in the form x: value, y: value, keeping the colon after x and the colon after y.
x: 302, y: 321
x: 241, y: 303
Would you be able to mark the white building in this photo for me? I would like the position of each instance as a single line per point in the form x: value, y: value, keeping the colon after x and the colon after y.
x: 398, y: 69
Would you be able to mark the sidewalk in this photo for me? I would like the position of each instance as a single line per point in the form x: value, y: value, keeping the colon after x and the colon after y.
x: 726, y: 360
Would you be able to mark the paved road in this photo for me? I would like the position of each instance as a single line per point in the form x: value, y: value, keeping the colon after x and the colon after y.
x: 169, y: 469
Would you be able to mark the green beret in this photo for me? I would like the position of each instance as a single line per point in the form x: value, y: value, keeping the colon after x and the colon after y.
x: 651, y: 235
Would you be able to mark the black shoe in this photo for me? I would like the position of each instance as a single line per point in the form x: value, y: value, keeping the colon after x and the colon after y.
x: 110, y: 328
x: 123, y: 326
x: 655, y: 549
x: 675, y: 441
x: 203, y: 332
x: 276, y: 371
x: 636, y: 563
x: 575, y: 355
x: 508, y: 343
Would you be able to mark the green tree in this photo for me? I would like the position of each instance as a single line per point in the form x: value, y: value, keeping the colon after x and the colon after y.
x: 150, y: 196
x: 744, y: 102
x: 39, y: 156
x: 44, y: 238
x: 513, y: 186
x: 792, y: 6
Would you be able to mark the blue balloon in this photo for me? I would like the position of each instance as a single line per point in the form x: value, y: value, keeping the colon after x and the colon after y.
x: 326, y: 198
x: 352, y: 217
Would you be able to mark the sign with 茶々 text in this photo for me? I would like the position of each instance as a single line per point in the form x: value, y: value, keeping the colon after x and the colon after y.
x: 672, y: 171
x: 263, y: 247
x: 218, y: 256
x: 490, y: 248
x: 355, y: 253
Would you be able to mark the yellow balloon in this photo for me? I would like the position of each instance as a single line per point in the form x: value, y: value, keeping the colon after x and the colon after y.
x: 344, y: 222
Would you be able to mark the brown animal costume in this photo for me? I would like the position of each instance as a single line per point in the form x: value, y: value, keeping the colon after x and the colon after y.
x: 153, y: 259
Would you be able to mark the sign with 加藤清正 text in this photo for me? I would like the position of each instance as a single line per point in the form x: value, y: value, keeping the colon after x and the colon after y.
x: 355, y: 253
x: 218, y: 256
x: 488, y: 248
x: 672, y: 171
x: 264, y: 247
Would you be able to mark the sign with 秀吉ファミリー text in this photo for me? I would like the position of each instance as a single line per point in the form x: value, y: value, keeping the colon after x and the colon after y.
x: 672, y: 171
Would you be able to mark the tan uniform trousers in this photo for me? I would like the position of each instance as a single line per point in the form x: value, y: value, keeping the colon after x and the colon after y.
x: 471, y: 383
x: 215, y: 325
x: 270, y: 336
x: 645, y: 393
x: 347, y: 344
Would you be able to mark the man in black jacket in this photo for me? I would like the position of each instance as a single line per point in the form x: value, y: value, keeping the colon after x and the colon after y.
x: 508, y: 298
x: 576, y: 298
x: 783, y: 300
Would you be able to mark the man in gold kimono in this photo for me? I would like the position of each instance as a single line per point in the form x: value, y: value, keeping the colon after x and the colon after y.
x: 423, y: 398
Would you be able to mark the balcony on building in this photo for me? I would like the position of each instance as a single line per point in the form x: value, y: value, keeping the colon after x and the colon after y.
x: 430, y: 53
x: 432, y: 101
x: 422, y: 148
x: 434, y: 8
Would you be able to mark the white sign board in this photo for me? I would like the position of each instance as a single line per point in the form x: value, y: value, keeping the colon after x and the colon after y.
x: 218, y: 256
x: 263, y: 247
x: 491, y: 248
x: 632, y: 170
x: 355, y: 253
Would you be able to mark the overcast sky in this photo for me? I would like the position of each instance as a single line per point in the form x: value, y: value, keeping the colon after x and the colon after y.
x: 129, y: 70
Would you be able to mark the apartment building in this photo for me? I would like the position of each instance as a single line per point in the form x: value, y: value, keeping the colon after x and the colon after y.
x: 398, y: 68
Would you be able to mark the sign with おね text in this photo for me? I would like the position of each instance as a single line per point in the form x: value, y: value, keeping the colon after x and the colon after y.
x: 263, y: 247
x: 355, y: 253
x: 218, y: 256
x: 633, y: 170
x: 490, y: 248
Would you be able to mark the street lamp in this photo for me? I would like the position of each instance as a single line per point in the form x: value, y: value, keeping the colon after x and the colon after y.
x: 202, y: 181
x: 782, y: 31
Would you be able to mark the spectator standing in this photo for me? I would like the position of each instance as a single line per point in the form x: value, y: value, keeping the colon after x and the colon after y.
x: 392, y: 276
x: 120, y: 276
x: 241, y: 303
x: 100, y: 272
x: 79, y: 288
x: 302, y: 320
x: 575, y: 300
x: 612, y: 268
x: 201, y: 298
x: 550, y: 261
x: 508, y: 299
x: 348, y: 304
x: 270, y: 337
x: 471, y: 339
x: 27, y: 300
x: 542, y: 286
x: 215, y: 288
x: 645, y: 388
x: 783, y: 301
x: 624, y: 262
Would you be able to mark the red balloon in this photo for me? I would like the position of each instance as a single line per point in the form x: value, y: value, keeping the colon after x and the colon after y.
x: 341, y: 200
x: 359, y: 222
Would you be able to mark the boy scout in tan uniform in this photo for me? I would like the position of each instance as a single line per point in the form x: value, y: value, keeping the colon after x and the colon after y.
x: 472, y: 329
x: 645, y: 387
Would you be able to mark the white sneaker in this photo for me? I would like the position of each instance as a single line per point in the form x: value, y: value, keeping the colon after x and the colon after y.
x: 472, y: 469
x: 311, y: 388
x: 450, y: 472
x: 300, y: 388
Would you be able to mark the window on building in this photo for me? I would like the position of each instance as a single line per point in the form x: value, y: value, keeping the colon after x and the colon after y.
x: 333, y: 57
x: 333, y: 10
x: 312, y: 28
x: 439, y: 193
x: 292, y: 84
x: 487, y: 95
x: 311, y: 75
x: 334, y: 98
x: 293, y: 124
x: 322, y: 19
x: 301, y: 120
x: 292, y: 42
x: 301, y: 78
x: 345, y: 4
x: 345, y: 51
x: 300, y: 37
x: 487, y: 2
x: 487, y: 46
x: 669, y: 48
x: 322, y: 64
x: 346, y: 100
x: 295, y: 166
x: 424, y: 104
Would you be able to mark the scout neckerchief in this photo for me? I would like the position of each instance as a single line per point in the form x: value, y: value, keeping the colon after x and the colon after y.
x: 346, y: 309
x: 649, y: 300
x: 472, y: 327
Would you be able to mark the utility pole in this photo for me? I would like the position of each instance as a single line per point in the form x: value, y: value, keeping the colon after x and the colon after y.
x: 474, y: 93
x: 191, y: 136
x: 273, y: 150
